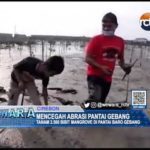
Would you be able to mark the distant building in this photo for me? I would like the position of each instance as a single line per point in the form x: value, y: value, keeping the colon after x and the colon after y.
x: 6, y: 38
x: 141, y: 40
x: 20, y: 39
x: 59, y: 38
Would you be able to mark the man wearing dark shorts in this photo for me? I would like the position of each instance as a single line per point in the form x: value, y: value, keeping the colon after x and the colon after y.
x: 26, y: 71
x: 101, y: 54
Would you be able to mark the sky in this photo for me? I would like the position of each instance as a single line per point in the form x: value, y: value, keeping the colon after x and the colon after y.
x: 71, y: 18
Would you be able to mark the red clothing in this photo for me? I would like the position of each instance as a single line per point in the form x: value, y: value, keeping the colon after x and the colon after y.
x: 105, y: 50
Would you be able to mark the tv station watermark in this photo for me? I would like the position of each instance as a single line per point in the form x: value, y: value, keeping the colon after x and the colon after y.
x: 145, y: 21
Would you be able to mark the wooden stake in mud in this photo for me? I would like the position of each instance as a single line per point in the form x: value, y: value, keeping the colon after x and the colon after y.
x: 42, y: 50
x: 50, y: 50
x: 46, y: 50
x: 30, y: 49
x: 141, y: 55
x: 9, y: 47
x: 23, y: 93
x: 130, y: 61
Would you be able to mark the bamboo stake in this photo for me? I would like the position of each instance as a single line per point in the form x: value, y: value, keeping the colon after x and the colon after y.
x: 127, y: 88
x: 42, y: 50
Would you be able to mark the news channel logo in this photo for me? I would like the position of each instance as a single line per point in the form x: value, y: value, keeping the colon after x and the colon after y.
x: 145, y: 21
x: 138, y: 99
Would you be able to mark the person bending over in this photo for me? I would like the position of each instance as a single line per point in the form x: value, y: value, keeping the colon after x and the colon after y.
x: 26, y: 71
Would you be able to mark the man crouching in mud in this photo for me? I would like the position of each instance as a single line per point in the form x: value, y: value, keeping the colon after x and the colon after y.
x: 26, y: 71
x: 101, y: 54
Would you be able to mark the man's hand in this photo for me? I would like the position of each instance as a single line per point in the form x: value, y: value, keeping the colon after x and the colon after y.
x: 127, y: 68
x: 106, y: 70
